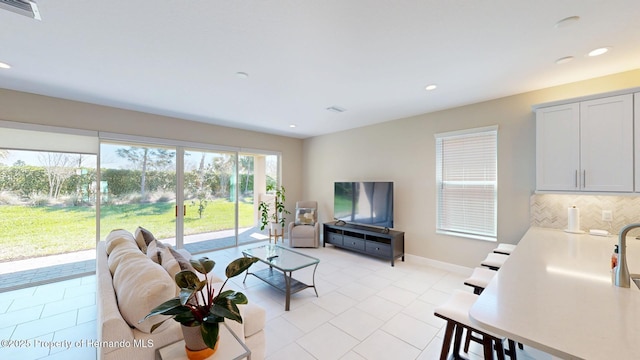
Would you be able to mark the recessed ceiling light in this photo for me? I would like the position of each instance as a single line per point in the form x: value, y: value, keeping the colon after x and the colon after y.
x: 292, y: 126
x: 4, y: 66
x: 242, y: 75
x: 598, y: 51
x: 431, y: 87
x: 568, y: 21
x: 564, y: 60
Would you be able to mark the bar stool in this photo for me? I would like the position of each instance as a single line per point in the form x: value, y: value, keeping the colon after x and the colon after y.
x: 479, y: 279
x: 494, y: 261
x: 456, y: 312
x: 506, y: 249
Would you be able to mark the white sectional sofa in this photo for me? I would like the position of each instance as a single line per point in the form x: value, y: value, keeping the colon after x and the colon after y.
x: 130, y: 284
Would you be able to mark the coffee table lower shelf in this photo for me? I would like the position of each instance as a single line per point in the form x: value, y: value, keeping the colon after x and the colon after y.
x: 279, y: 279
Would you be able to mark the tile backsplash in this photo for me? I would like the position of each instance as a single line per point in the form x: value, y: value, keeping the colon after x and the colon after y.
x: 550, y: 211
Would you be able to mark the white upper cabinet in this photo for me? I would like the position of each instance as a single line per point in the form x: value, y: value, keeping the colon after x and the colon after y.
x: 558, y: 147
x: 586, y: 146
x: 606, y: 144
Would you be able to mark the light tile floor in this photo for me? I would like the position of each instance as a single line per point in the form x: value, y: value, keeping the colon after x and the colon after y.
x: 30, y: 272
x: 42, y: 270
x: 366, y: 310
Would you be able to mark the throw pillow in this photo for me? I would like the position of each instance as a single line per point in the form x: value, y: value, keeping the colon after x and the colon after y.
x: 305, y: 216
x: 173, y: 262
x: 140, y: 285
x: 143, y: 238
x: 154, y: 249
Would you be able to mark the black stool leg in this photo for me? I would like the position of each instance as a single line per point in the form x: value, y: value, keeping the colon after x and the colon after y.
x: 487, y: 345
x: 467, y: 341
x: 511, y: 351
x: 446, y: 343
x: 457, y: 342
x: 499, y: 348
x: 470, y: 336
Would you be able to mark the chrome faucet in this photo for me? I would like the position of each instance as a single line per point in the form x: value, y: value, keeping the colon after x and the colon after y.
x: 621, y: 276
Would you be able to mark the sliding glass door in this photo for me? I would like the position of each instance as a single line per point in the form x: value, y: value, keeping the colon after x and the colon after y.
x: 61, y: 190
x: 138, y: 188
x: 47, y: 203
x: 210, y: 193
x: 201, y: 198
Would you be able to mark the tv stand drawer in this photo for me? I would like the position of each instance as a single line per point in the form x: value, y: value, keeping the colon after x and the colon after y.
x: 381, y: 243
x: 334, y: 238
x: 353, y: 243
x: 378, y: 249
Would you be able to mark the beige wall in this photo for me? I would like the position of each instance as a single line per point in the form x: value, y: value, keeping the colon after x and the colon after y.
x: 29, y: 108
x: 403, y: 151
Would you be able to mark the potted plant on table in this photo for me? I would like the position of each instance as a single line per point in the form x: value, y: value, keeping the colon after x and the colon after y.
x: 198, y: 307
x: 279, y: 212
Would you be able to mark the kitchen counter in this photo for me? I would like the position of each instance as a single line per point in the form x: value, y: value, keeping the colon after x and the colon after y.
x: 555, y: 293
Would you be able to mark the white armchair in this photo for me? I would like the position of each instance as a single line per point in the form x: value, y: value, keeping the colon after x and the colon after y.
x: 304, y: 230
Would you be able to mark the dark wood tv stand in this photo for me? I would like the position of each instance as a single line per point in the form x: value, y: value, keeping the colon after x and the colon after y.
x: 367, y: 240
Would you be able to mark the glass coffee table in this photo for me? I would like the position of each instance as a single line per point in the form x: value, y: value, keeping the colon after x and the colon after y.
x: 285, y: 262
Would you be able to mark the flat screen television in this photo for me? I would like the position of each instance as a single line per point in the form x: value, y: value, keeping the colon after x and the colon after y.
x: 367, y: 203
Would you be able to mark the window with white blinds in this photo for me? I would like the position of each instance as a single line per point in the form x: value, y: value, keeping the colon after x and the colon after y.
x: 467, y: 183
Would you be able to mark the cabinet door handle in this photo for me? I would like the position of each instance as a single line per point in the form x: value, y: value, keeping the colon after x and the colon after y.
x: 576, y: 178
x: 584, y: 179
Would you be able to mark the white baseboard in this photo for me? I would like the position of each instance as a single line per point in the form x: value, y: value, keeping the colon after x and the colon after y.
x: 458, y: 269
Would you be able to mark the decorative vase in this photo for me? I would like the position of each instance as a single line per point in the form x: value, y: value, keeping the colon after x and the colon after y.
x: 194, y: 344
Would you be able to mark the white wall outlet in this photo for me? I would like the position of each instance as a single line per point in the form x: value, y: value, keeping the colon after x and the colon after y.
x: 607, y: 215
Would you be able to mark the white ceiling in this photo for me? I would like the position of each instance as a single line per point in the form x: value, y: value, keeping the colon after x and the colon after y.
x: 370, y: 57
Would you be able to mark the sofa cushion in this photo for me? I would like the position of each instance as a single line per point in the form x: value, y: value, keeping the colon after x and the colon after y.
x: 143, y: 238
x: 303, y: 231
x: 119, y: 244
x: 254, y: 318
x: 140, y: 285
x: 116, y: 237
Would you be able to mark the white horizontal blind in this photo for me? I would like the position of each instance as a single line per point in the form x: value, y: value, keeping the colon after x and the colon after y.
x: 466, y: 178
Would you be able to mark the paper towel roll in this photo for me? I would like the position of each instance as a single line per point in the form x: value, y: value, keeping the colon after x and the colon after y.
x: 574, y: 219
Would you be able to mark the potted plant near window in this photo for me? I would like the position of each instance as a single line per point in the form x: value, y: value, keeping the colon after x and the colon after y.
x: 199, y: 309
x: 277, y: 217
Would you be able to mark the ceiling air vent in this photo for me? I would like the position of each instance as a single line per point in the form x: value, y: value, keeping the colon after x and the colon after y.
x: 22, y: 7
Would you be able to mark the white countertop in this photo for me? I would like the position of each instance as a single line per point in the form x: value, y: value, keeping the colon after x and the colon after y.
x: 555, y: 293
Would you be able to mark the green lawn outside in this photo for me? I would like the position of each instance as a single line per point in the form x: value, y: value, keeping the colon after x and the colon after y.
x: 27, y: 231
